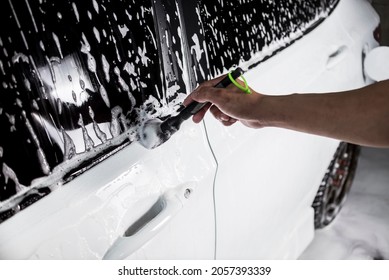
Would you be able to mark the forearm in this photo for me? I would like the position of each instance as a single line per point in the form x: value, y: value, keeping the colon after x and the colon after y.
x: 359, y: 116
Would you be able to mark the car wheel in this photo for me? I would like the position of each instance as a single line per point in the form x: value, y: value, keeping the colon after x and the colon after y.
x: 336, y: 184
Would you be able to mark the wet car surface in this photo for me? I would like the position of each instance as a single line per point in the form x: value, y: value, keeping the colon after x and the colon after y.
x: 80, y: 79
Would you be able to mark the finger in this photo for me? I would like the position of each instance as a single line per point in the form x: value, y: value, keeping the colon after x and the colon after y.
x: 229, y: 123
x: 198, y: 117
x: 205, y: 85
x: 209, y: 94
x: 219, y: 115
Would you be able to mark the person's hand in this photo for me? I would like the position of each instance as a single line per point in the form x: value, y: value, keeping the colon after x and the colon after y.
x: 228, y: 105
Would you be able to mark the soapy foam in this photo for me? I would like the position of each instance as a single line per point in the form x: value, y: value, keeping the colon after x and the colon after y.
x: 260, y: 34
x: 70, y: 80
x: 132, y: 82
x: 56, y: 178
x: 150, y: 134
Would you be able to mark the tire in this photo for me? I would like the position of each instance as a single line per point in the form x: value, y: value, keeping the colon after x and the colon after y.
x: 336, y: 184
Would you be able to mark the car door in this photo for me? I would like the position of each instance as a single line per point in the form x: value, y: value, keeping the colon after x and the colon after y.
x: 79, y: 82
x: 267, y: 179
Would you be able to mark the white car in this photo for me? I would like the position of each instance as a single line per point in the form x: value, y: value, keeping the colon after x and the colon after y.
x: 79, y: 82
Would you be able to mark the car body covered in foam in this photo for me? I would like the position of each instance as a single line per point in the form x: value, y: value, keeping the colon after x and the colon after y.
x: 80, y: 79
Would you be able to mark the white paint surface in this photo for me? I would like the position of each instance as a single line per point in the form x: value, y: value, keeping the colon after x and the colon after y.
x: 84, y: 218
x: 267, y: 179
x: 265, y: 184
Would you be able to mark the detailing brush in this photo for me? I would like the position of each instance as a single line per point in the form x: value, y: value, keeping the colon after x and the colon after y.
x: 155, y: 132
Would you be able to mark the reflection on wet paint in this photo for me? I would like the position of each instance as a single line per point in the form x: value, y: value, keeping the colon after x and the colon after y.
x: 73, y: 77
x: 79, y: 78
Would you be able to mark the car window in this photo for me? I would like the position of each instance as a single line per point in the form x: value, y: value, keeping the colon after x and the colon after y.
x: 247, y: 32
x: 77, y: 80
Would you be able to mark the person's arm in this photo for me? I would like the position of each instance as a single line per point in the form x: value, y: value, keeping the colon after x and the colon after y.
x: 359, y: 116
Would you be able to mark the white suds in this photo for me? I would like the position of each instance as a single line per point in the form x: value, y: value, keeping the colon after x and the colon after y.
x: 149, y: 134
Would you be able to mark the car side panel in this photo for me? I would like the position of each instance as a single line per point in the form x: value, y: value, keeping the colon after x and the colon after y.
x: 84, y: 218
x: 267, y: 178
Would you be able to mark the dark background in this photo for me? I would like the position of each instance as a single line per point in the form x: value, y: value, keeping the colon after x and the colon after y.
x: 382, y: 7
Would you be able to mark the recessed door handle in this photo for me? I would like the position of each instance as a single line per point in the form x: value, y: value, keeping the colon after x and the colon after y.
x: 336, y: 55
x: 149, y: 224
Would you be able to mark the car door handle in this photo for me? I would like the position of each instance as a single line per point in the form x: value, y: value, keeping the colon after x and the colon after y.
x: 149, y: 224
x: 336, y: 55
